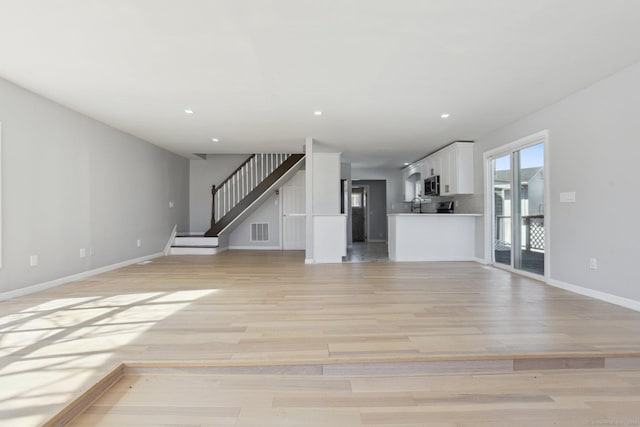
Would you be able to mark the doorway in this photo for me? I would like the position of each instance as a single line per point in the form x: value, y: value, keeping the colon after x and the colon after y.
x: 359, y: 214
x: 516, y: 202
x: 368, y: 221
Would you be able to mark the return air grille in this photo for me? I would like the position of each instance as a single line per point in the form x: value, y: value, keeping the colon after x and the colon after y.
x: 260, y: 232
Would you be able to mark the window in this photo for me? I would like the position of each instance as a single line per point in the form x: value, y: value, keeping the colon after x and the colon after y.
x: 356, y: 200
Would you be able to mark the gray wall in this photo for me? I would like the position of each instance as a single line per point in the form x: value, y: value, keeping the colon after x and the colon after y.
x: 394, y: 184
x: 376, y: 208
x: 594, y: 152
x: 70, y: 182
x: 202, y: 175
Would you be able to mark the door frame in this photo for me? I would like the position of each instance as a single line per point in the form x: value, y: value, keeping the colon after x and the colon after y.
x: 365, y: 202
x: 281, y: 200
x: 489, y: 208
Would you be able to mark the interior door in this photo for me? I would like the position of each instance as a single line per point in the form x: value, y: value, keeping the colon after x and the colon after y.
x: 358, y: 214
x: 293, y: 213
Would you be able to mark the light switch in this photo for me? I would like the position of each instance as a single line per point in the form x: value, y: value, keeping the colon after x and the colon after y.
x: 568, y: 197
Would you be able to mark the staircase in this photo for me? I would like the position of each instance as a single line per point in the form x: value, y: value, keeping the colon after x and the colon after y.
x: 194, y: 245
x: 236, y: 197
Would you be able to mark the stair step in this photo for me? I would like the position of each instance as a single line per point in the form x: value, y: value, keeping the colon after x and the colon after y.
x: 194, y: 250
x: 195, y: 241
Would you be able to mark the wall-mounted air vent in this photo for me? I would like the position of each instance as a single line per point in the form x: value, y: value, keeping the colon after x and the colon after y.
x: 260, y: 232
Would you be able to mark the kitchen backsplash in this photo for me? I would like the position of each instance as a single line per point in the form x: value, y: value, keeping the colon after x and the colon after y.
x: 467, y: 203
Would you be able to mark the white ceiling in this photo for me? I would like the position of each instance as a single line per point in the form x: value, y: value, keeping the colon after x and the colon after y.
x: 254, y: 71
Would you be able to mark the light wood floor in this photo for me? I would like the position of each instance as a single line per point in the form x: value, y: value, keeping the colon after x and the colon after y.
x: 243, y: 307
x: 569, y: 398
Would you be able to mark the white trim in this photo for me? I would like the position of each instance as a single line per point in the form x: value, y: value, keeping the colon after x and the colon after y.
x: 524, y: 273
x: 74, y: 277
x: 258, y: 248
x: 167, y: 248
x: 602, y: 296
x: 0, y: 196
x: 279, y: 199
x: 527, y: 141
x: 192, y: 233
x: 519, y: 144
x: 309, y: 261
x: 480, y: 260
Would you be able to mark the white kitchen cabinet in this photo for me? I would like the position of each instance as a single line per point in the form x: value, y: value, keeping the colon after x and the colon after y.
x: 456, y: 173
x: 432, y: 166
x: 453, y: 163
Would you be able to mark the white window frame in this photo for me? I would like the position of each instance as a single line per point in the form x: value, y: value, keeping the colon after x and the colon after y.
x: 487, y: 157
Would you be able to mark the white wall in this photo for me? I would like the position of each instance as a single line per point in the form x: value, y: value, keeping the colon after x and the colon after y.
x: 70, y: 182
x: 594, y: 152
x: 326, y: 183
x: 323, y: 173
x: 202, y: 175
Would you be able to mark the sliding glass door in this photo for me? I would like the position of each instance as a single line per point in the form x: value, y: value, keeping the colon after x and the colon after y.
x: 517, y: 186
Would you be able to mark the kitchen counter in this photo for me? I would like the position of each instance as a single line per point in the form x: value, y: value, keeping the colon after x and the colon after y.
x: 433, y: 213
x: 432, y: 236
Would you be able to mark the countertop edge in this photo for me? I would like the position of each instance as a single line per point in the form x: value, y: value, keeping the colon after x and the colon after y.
x: 434, y: 214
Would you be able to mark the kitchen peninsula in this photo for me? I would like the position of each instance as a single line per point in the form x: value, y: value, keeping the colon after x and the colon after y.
x: 431, y: 237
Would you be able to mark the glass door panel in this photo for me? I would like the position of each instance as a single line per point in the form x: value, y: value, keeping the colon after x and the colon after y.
x: 530, y: 250
x: 501, y: 168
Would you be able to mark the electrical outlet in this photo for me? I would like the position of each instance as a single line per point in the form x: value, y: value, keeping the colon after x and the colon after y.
x: 33, y: 260
x: 457, y: 203
x: 83, y: 252
x: 90, y: 251
x: 139, y: 243
x: 593, y: 263
x: 170, y: 204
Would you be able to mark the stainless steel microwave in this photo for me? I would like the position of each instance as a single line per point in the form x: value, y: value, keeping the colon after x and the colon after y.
x: 432, y: 186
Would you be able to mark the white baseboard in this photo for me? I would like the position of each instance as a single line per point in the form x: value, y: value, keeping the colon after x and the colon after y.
x: 74, y: 277
x: 480, y: 260
x: 309, y: 261
x: 256, y: 248
x: 602, y: 296
x: 167, y: 248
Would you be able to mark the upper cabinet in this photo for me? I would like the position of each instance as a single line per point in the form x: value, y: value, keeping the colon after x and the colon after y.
x: 456, y: 174
x: 453, y: 163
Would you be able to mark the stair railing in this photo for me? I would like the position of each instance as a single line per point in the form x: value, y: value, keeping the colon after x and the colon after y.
x: 242, y: 181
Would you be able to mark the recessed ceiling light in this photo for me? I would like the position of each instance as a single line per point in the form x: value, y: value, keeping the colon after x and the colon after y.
x: 406, y: 163
x: 317, y: 113
x: 445, y: 115
x: 188, y: 111
x: 215, y: 139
